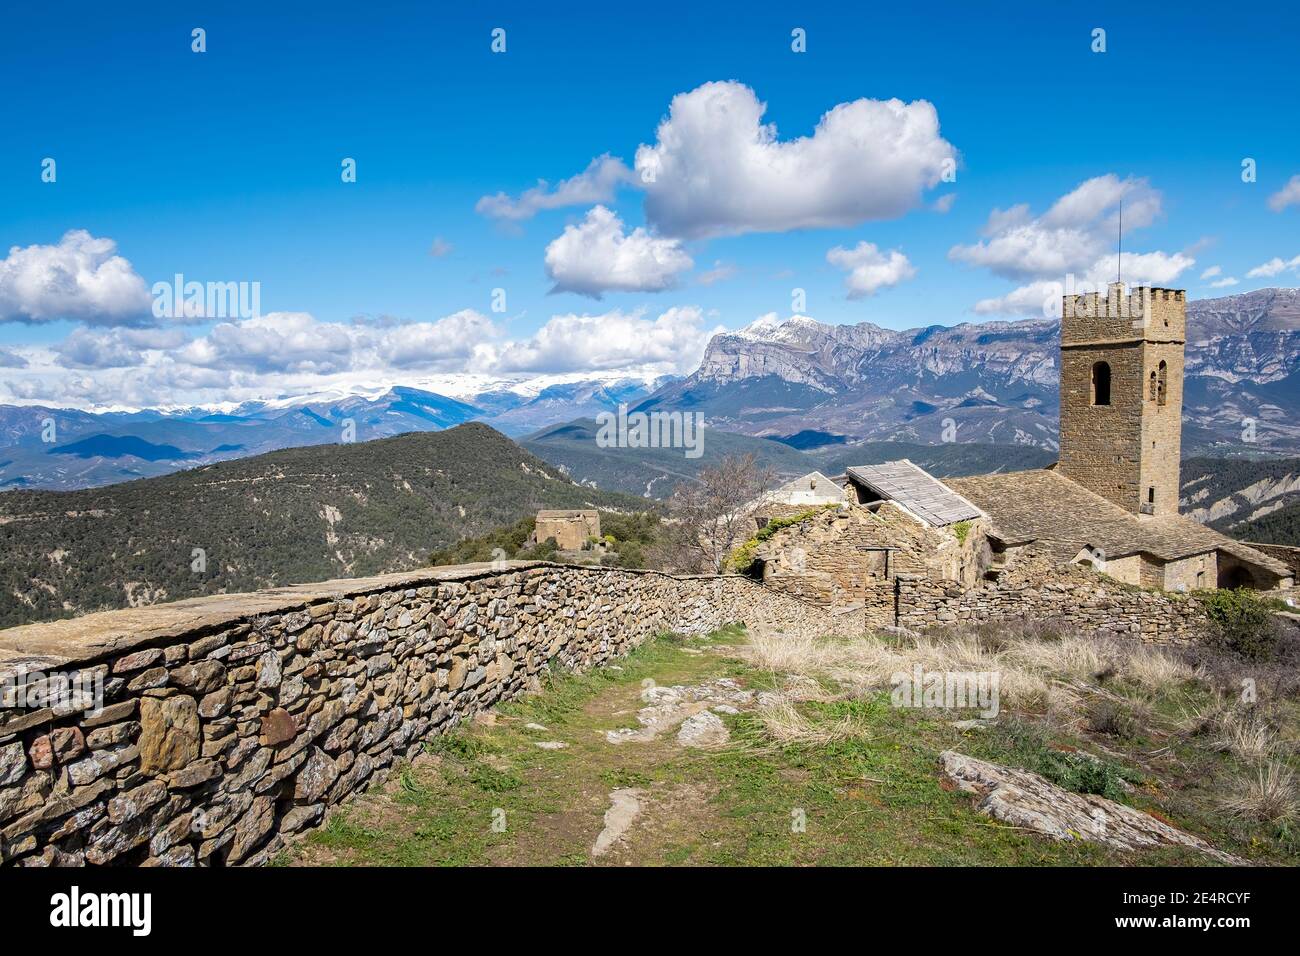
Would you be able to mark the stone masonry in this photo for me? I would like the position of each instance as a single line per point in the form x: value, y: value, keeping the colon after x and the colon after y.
x: 231, y: 722
x: 1040, y: 589
x: 1125, y: 446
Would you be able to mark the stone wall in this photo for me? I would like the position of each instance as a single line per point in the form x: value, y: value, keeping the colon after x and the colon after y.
x: 230, y: 723
x: 1040, y: 590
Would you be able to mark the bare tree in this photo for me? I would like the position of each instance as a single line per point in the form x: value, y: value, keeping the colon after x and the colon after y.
x: 709, y: 515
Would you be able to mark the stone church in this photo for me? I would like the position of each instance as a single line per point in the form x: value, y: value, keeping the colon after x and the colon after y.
x: 1109, y: 504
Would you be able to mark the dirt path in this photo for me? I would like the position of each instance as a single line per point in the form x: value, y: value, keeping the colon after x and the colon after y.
x: 590, y: 772
x: 665, y: 759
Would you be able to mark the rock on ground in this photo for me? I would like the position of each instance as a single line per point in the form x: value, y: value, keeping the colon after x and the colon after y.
x: 669, y: 707
x: 705, y: 729
x: 624, y: 807
x: 1025, y: 799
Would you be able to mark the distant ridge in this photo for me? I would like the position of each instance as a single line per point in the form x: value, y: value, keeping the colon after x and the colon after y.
x: 303, y: 514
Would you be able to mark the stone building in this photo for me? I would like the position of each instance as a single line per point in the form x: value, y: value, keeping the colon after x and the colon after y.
x: 1109, y: 505
x: 813, y: 490
x: 1122, y: 395
x: 570, y: 529
x: 1044, y: 512
x: 897, y: 522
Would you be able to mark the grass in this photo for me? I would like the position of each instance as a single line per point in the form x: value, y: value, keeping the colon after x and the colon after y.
x: 828, y: 772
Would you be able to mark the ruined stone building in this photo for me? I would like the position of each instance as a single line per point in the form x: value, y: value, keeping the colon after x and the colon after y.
x: 1110, y: 504
x: 572, y: 530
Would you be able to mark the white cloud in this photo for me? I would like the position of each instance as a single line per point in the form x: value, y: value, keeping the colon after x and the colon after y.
x: 716, y: 169
x: 285, y: 354
x: 674, y: 342
x: 1211, y: 272
x: 1274, y: 267
x: 1069, y: 237
x: 870, y: 270
x: 440, y: 247
x: 944, y: 203
x: 1043, y: 297
x: 595, y: 184
x: 447, y: 343
x: 82, y: 278
x: 1070, y: 244
x: 297, y: 343
x: 276, y: 342
x: 1288, y: 195
x: 596, y: 256
x: 87, y: 348
x: 1223, y: 283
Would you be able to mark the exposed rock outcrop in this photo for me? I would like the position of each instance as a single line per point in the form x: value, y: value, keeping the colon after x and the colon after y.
x: 1025, y: 799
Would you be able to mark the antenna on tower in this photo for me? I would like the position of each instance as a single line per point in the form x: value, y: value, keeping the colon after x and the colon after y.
x: 1119, y: 258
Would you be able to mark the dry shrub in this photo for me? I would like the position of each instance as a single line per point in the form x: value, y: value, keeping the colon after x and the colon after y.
x: 1247, y: 735
x: 1029, y: 665
x: 785, y: 724
x: 1268, y: 794
x: 1158, y: 671
x: 1205, y: 719
x: 1076, y: 657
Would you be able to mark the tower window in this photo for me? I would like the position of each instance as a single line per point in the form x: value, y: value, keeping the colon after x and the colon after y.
x: 1162, y: 383
x: 1151, y: 393
x: 1151, y: 495
x: 1100, y: 383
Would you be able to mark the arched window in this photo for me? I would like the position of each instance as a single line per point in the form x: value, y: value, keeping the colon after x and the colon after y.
x: 1151, y: 392
x: 1100, y: 383
x: 1162, y: 384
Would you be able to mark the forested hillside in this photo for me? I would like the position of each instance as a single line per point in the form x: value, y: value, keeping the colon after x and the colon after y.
x: 302, y: 514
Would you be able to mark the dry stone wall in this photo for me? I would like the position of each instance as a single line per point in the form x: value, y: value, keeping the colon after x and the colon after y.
x: 230, y: 723
x: 1041, y: 590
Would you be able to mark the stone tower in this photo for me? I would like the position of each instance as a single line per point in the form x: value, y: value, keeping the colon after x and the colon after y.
x: 1122, y: 395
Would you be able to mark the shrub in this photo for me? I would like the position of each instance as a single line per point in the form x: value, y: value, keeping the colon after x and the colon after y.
x: 1115, y: 720
x: 1267, y: 794
x: 1241, y: 622
x: 961, y: 529
x: 742, y: 558
x: 1083, y: 774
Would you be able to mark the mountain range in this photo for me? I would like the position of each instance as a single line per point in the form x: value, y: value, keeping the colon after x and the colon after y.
x: 64, y: 449
x: 808, y: 385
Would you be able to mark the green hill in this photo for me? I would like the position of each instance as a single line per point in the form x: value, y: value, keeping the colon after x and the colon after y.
x: 302, y: 514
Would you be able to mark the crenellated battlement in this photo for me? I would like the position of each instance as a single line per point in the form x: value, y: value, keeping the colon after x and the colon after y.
x: 1118, y: 315
x: 1147, y: 313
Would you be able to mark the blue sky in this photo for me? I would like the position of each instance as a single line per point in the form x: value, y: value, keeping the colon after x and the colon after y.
x: 225, y: 166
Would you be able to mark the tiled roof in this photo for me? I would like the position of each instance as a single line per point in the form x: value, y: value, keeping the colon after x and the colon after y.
x: 1061, y: 516
x: 916, y: 490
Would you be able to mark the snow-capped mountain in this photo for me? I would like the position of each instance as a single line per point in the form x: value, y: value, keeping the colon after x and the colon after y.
x: 42, y: 447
